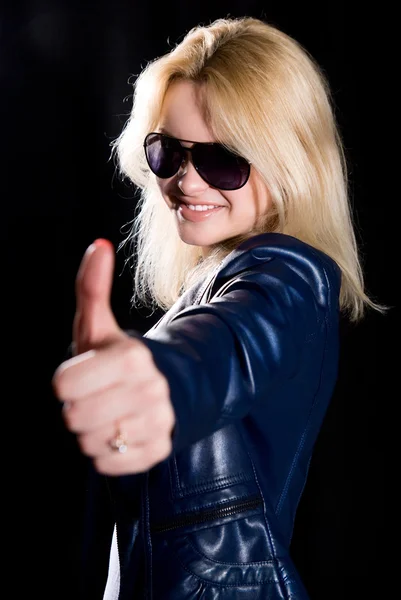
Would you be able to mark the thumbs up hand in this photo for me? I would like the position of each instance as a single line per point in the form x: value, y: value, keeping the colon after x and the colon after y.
x: 116, y: 400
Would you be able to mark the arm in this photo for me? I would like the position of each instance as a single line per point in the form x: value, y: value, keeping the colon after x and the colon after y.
x: 210, y: 364
x: 222, y: 357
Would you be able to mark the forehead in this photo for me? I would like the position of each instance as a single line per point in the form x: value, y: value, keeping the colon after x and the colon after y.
x: 182, y: 114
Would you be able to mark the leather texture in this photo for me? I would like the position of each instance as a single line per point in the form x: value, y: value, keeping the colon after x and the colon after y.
x: 251, y: 357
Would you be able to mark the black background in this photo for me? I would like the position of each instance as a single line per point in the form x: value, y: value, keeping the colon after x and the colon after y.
x: 65, y: 95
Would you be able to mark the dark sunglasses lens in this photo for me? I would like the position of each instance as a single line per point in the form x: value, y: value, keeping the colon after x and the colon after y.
x: 164, y: 155
x: 220, y: 167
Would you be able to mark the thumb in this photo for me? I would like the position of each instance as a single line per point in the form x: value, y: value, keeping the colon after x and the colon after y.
x: 94, y: 322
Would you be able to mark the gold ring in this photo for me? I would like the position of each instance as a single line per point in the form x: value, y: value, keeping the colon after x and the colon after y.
x: 119, y: 443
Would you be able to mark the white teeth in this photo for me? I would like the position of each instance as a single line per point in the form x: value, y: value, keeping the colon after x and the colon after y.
x: 201, y: 206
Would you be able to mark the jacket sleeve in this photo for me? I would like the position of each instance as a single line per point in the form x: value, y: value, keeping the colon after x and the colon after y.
x: 222, y: 357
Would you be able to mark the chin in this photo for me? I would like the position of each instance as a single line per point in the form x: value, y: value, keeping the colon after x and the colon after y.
x: 199, y: 240
x: 191, y: 241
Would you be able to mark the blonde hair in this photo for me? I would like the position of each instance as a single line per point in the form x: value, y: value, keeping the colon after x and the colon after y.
x: 282, y: 121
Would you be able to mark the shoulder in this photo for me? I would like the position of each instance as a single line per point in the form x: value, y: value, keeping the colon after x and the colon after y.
x: 283, y: 258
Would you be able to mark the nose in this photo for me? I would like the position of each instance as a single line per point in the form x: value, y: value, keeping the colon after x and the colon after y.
x: 188, y: 179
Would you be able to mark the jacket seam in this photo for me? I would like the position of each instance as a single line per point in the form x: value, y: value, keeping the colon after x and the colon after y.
x: 230, y: 585
x: 214, y: 484
x: 308, y: 424
x: 280, y: 579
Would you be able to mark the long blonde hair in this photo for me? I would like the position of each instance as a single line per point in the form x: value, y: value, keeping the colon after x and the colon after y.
x: 281, y: 120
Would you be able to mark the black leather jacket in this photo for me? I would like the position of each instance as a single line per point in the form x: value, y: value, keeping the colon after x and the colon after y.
x: 251, y: 358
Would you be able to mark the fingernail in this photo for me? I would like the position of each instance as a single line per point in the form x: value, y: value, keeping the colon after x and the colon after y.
x: 102, y: 242
x: 90, y: 249
x: 97, y: 244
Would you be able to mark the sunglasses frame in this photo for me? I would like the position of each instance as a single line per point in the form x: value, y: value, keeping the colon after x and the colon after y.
x: 194, y: 145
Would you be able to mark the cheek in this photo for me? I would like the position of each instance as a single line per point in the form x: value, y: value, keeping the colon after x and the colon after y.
x: 251, y: 202
x: 165, y: 188
x: 242, y: 205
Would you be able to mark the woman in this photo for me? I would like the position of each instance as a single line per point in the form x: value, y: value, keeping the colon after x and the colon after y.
x: 206, y: 425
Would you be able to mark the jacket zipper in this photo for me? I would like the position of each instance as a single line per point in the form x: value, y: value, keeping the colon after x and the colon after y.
x: 203, y: 516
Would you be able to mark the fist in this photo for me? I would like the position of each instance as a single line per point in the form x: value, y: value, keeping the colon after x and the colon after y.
x: 115, y: 399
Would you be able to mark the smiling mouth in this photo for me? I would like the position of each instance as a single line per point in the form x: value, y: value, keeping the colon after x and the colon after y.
x: 197, y: 215
x: 196, y: 207
x: 201, y: 207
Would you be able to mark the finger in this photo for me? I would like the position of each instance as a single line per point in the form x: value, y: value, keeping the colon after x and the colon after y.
x: 136, y: 459
x: 96, y: 371
x: 135, y: 430
x: 146, y: 401
x: 94, y: 323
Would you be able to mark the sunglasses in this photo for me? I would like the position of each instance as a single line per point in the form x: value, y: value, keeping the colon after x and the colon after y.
x: 219, y: 167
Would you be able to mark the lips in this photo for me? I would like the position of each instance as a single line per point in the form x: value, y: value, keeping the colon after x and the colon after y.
x: 197, y: 216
